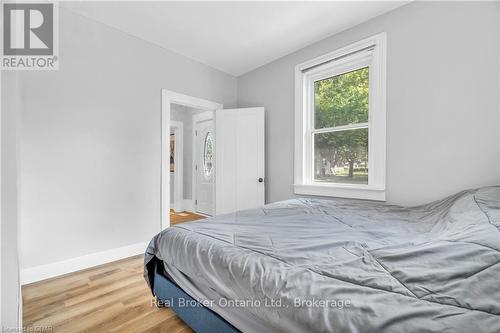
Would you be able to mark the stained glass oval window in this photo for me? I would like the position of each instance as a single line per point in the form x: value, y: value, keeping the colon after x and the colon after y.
x: 208, y: 155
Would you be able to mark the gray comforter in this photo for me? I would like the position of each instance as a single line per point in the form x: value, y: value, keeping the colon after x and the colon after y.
x: 312, y: 265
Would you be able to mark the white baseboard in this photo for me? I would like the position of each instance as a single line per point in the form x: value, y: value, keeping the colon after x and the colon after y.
x: 38, y: 273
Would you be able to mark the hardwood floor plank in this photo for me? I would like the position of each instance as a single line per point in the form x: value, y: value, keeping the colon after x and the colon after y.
x: 35, y: 292
x: 172, y: 325
x: 123, y: 317
x: 145, y: 322
x: 82, y: 323
x: 72, y: 312
x: 108, y: 298
x: 107, y: 289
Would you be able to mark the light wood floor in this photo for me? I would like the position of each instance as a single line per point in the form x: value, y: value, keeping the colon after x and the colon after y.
x: 176, y: 218
x: 108, y: 298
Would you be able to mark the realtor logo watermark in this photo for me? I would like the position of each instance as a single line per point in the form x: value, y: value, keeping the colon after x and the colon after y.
x: 30, y: 36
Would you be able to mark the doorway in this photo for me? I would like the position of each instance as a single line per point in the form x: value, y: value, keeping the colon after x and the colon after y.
x: 181, y: 184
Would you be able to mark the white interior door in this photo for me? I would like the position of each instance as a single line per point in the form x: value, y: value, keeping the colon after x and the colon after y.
x: 205, y: 166
x: 240, y: 159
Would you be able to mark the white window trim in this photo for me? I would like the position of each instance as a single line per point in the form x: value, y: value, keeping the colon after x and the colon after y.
x: 370, y: 51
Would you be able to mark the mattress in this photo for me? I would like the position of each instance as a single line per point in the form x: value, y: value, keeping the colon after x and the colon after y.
x: 315, y: 265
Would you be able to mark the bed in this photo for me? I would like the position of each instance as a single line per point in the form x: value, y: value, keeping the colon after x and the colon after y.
x: 315, y: 265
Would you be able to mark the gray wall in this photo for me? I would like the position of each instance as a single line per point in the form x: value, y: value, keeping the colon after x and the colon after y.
x: 185, y: 115
x: 90, y: 148
x: 90, y: 132
x: 442, y: 100
x: 10, y: 299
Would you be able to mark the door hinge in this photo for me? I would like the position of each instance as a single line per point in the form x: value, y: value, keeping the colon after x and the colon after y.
x: 196, y: 133
x: 196, y: 202
x: 196, y: 167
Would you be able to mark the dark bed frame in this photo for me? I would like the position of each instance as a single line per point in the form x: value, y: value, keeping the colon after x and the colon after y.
x: 200, y: 318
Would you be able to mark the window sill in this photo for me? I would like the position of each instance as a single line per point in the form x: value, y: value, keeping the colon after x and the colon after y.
x: 366, y: 192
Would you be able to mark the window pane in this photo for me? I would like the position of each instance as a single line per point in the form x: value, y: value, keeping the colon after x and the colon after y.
x: 341, y: 100
x: 208, y: 156
x: 341, y: 157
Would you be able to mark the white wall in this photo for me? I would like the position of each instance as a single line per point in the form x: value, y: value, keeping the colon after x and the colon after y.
x: 90, y: 148
x: 442, y: 100
x: 10, y: 300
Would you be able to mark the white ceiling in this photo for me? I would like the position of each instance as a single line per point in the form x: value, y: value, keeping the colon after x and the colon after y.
x: 234, y: 37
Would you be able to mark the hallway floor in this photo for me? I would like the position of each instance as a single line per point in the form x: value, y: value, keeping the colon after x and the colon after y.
x: 181, y: 217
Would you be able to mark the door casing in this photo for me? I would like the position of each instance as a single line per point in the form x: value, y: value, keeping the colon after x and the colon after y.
x: 167, y: 99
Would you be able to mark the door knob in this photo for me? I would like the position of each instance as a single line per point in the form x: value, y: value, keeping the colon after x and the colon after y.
x: 261, y: 180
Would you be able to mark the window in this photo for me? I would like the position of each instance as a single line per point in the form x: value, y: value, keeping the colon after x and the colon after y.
x: 208, y: 156
x: 340, y: 122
